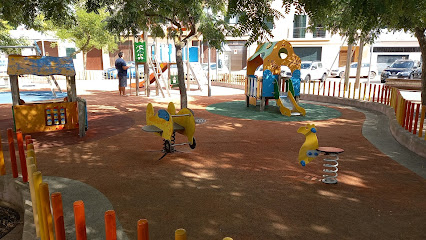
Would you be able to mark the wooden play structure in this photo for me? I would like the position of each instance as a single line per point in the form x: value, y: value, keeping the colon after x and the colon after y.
x: 272, y: 55
x: 166, y: 123
x: 69, y: 113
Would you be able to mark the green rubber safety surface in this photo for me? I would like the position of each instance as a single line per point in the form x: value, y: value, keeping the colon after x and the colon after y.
x: 238, y: 109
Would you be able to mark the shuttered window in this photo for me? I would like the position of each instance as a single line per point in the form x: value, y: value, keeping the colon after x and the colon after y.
x: 69, y: 52
x: 299, y: 26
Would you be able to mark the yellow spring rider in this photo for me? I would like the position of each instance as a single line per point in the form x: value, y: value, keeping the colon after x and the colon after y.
x: 166, y: 123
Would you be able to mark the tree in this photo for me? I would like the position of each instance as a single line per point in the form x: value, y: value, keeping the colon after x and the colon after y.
x: 88, y: 33
x: 365, y: 19
x: 6, y: 40
x: 171, y: 17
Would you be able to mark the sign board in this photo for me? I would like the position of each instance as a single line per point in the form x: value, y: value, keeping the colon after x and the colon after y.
x: 235, y: 51
x: 140, y: 52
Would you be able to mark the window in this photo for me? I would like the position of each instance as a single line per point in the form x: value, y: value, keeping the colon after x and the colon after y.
x: 308, y: 53
x: 319, y: 32
x: 299, y: 26
x: 69, y: 52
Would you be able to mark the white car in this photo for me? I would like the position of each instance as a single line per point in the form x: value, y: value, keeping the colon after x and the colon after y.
x: 310, y: 70
x: 340, y: 72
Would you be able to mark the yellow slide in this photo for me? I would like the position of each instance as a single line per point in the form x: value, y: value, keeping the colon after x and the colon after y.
x: 288, y: 105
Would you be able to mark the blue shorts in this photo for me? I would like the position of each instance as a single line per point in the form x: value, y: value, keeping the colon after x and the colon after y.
x: 122, y: 81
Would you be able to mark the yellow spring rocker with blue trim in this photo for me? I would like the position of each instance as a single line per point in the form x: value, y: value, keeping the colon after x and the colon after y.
x: 165, y: 123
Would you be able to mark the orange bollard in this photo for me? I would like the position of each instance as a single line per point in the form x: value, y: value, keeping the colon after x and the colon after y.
x: 21, y: 150
x: 180, y: 234
x: 58, y: 215
x: 110, y: 225
x: 2, y: 165
x: 12, y: 152
x: 143, y: 233
x: 27, y: 138
x: 47, y: 214
x: 80, y: 220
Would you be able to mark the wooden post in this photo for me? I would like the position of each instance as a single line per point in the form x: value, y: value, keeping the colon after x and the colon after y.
x: 422, y: 120
x: 31, y: 170
x: 2, y: 164
x: 80, y: 220
x: 143, y: 233
x: 58, y: 215
x: 47, y: 214
x: 110, y: 225
x: 145, y: 65
x: 416, y: 118
x: 82, y: 115
x: 37, y: 179
x: 180, y: 234
x: 20, y: 140
x: 14, y: 89
x: 12, y: 152
x: 71, y: 89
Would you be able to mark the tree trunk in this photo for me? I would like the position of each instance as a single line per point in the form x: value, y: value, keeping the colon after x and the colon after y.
x: 358, y: 69
x: 84, y: 64
x: 181, y: 77
x: 348, y: 65
x: 420, y: 34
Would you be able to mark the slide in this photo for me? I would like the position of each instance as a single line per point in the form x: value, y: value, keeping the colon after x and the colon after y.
x: 163, y: 67
x: 288, y: 105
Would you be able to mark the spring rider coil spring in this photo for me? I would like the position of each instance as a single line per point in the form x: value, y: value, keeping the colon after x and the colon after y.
x: 331, y: 164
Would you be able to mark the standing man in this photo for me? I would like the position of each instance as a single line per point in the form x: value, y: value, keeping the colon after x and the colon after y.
x: 121, y: 67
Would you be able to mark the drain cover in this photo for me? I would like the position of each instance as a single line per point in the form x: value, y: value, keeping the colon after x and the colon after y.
x: 200, y: 120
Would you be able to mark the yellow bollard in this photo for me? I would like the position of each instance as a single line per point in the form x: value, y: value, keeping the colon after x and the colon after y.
x: 227, y: 238
x: 31, y: 154
x: 37, y: 179
x: 46, y: 212
x: 31, y: 170
x: 359, y: 93
x: 2, y: 166
x: 180, y: 234
x: 349, y: 91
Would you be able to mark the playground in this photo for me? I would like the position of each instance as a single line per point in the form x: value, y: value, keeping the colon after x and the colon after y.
x: 242, y: 181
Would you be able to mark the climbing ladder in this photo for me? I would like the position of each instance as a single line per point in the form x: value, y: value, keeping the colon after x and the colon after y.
x: 158, y: 73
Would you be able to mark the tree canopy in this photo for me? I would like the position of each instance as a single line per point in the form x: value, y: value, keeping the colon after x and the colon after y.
x: 366, y: 19
x: 181, y: 20
x: 88, y: 33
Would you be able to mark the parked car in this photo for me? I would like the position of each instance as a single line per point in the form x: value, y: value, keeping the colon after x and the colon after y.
x: 111, y: 72
x: 403, y: 68
x: 340, y: 72
x: 258, y: 72
x: 310, y: 70
x: 417, y: 73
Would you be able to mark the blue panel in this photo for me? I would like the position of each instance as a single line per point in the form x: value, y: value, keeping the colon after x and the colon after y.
x: 170, y: 52
x: 163, y: 114
x: 193, y: 54
x: 268, y: 83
